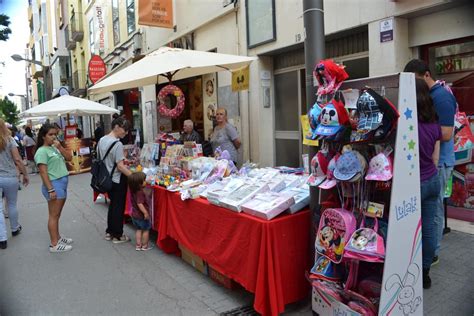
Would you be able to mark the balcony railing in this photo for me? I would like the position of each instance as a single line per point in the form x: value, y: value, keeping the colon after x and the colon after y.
x: 77, y: 30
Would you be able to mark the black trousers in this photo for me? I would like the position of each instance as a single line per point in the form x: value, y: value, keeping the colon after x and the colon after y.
x: 116, y: 212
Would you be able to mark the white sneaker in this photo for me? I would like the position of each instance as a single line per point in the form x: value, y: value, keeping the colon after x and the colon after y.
x: 60, y: 248
x: 120, y: 240
x: 65, y: 241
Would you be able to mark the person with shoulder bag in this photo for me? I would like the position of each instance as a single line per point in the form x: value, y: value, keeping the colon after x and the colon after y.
x: 114, y: 162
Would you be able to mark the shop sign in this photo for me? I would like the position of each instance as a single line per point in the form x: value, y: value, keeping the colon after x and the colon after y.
x: 454, y: 64
x: 386, y: 30
x: 96, y: 68
x: 158, y: 13
x: 101, y: 27
x: 240, y: 79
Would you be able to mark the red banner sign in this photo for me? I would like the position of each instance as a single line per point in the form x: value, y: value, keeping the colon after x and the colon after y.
x: 97, y: 68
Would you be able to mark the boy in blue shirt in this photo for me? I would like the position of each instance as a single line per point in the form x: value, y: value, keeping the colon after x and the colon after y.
x: 445, y: 105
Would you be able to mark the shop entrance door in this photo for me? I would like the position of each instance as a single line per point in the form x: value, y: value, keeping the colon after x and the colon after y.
x: 290, y: 103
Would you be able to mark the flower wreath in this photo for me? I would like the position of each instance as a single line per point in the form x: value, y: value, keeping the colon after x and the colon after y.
x: 178, y: 93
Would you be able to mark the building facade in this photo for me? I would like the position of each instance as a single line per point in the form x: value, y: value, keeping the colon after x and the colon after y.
x: 267, y: 115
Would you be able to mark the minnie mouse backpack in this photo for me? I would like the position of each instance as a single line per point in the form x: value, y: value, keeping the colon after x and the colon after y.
x: 335, y: 228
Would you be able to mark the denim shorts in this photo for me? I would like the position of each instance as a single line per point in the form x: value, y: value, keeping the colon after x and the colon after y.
x: 141, y: 224
x: 60, y: 187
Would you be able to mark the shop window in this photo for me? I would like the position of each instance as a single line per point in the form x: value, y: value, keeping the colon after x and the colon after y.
x: 115, y: 21
x: 453, y: 62
x: 130, y: 16
x: 357, y: 68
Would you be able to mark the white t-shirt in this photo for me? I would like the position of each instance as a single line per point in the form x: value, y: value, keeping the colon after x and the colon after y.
x: 115, y: 155
x: 28, y: 141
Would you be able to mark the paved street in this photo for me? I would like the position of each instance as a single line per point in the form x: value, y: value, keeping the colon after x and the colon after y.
x: 98, y: 277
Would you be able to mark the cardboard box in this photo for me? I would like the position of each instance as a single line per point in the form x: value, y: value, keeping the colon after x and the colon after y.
x: 221, y: 279
x: 197, y: 262
x: 268, y: 205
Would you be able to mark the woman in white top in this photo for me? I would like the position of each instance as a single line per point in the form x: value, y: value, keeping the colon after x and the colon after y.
x: 9, y: 157
x: 30, y: 145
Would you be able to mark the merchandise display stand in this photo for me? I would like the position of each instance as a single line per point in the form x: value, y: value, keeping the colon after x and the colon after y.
x: 401, y: 288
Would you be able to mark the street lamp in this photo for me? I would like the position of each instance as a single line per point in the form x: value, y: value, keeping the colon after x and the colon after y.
x: 47, y: 93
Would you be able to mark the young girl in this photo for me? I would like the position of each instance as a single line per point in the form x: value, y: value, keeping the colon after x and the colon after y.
x: 140, y: 210
x: 429, y: 135
x: 50, y: 157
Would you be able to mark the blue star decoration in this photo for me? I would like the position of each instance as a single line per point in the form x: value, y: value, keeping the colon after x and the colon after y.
x: 413, y: 166
x: 409, y: 157
x: 408, y: 113
x: 404, y: 137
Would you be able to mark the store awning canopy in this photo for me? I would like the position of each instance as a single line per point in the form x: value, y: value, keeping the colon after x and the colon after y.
x: 68, y: 104
x: 158, y: 66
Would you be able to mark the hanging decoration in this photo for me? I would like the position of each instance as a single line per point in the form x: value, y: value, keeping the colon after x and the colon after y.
x: 178, y: 93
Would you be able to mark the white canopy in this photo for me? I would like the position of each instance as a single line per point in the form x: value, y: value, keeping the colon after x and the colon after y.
x: 68, y: 104
x: 181, y: 63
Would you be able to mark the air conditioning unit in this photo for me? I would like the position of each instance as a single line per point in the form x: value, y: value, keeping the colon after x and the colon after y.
x: 137, y: 44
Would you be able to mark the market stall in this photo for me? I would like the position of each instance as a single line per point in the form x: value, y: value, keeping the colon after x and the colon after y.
x: 70, y: 105
x: 250, y: 225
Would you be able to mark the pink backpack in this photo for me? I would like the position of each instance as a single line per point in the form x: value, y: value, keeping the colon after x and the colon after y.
x: 335, y: 228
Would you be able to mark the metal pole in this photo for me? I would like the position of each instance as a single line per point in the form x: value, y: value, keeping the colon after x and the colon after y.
x: 314, y: 50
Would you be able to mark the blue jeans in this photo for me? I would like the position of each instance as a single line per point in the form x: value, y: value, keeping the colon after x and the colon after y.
x: 429, y: 208
x: 9, y: 187
x: 444, y: 174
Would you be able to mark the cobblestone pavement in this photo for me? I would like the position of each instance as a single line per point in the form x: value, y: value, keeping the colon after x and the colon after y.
x: 98, y: 277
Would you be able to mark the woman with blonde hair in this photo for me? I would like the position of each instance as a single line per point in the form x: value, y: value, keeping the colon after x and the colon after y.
x: 10, y: 160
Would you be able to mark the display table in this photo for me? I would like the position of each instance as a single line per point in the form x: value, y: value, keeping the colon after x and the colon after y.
x: 268, y: 258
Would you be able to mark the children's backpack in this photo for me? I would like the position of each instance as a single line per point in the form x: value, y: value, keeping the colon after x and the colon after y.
x: 325, y: 269
x: 335, y: 228
x: 366, y: 244
x: 101, y: 178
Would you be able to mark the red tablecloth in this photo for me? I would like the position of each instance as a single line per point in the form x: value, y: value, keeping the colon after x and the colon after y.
x: 268, y: 258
